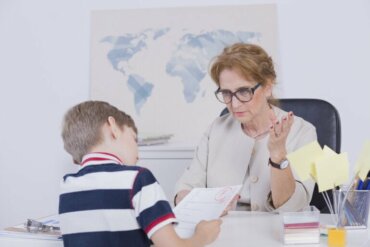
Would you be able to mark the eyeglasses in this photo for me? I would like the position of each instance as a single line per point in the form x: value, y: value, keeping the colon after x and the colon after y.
x: 243, y: 94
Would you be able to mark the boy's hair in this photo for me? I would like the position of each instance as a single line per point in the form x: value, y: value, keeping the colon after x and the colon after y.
x: 82, y: 126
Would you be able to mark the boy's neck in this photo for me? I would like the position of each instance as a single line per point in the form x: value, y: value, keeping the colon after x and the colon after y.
x: 95, y: 157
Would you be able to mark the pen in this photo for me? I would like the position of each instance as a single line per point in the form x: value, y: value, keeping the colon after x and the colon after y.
x: 359, y: 186
x: 366, y: 185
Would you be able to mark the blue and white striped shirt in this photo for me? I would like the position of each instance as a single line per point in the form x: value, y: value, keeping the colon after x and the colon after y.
x: 107, y: 203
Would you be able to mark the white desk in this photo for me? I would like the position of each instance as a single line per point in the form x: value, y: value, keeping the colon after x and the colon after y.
x: 239, y: 229
x: 264, y: 229
x: 13, y: 242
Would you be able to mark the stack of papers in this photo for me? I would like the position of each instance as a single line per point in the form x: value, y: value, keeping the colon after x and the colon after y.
x: 302, y: 227
x: 21, y: 231
x: 302, y: 233
x: 202, y: 204
x: 153, y: 139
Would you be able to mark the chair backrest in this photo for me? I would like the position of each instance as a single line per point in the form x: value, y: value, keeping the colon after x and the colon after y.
x: 323, y: 115
x: 325, y: 118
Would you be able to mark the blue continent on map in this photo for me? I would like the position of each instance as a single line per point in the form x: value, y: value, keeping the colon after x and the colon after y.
x: 141, y: 90
x: 124, y: 48
x: 189, y: 61
x: 193, y: 54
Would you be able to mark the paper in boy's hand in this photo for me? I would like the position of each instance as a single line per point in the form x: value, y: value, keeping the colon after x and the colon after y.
x: 202, y: 204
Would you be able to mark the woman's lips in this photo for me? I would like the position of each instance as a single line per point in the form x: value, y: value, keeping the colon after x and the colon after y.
x: 239, y: 114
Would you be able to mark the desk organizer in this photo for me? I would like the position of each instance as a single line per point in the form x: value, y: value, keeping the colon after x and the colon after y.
x: 302, y: 227
x: 354, y: 213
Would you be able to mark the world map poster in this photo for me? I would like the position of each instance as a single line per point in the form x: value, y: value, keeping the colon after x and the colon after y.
x: 153, y: 63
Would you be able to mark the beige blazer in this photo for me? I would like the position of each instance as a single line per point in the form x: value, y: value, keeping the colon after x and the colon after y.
x: 227, y: 156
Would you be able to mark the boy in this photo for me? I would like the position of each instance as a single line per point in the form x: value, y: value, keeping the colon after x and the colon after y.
x: 109, y: 202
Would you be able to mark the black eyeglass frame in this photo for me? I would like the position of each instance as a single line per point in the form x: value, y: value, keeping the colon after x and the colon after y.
x: 251, y: 92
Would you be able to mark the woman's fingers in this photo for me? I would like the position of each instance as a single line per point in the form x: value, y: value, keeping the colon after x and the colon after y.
x: 280, y: 129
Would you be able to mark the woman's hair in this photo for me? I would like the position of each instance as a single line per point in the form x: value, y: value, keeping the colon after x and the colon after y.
x: 250, y: 60
x: 83, y: 123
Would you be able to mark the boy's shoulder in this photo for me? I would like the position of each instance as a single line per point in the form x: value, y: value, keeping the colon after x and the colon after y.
x: 106, y: 168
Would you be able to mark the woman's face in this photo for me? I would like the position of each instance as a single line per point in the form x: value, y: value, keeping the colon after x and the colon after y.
x: 232, y: 80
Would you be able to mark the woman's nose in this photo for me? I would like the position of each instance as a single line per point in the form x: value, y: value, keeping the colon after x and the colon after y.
x: 235, y: 102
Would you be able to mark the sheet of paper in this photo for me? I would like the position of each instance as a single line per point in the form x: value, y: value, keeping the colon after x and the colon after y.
x: 202, y: 204
x: 363, y: 162
x: 302, y: 160
x: 331, y: 169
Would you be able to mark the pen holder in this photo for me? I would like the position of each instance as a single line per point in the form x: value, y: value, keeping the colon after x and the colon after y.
x: 354, y: 212
x: 302, y: 227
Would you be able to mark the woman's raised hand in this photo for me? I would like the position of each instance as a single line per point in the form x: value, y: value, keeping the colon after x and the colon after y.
x: 279, y: 131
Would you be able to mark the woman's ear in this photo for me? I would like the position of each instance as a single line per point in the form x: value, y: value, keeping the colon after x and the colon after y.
x: 268, y: 89
x: 114, y: 128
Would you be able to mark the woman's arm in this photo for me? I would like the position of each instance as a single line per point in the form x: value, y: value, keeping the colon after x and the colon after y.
x: 282, y: 180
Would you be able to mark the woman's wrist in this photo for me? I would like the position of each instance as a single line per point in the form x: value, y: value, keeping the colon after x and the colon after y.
x: 278, y: 157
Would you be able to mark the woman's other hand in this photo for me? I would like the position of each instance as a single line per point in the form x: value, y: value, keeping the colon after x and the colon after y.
x: 231, y: 206
x: 181, y: 195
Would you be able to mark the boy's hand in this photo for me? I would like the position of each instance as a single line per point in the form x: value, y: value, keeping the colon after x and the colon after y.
x: 207, y: 231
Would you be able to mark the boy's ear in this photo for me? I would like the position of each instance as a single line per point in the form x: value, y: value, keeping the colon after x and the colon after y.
x: 115, y: 130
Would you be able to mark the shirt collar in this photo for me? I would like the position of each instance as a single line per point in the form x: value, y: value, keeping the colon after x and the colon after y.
x: 98, y: 158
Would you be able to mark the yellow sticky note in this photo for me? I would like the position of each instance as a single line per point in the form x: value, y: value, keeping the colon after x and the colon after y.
x: 328, y: 151
x: 363, y: 162
x: 331, y: 169
x: 313, y: 173
x: 341, y: 169
x: 324, y: 170
x: 303, y: 159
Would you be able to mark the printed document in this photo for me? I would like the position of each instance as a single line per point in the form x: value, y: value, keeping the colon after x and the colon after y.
x: 202, y: 204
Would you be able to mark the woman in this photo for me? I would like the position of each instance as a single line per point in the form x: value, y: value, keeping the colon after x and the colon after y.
x: 249, y: 145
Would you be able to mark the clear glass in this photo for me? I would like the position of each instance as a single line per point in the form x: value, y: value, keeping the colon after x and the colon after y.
x: 354, y: 212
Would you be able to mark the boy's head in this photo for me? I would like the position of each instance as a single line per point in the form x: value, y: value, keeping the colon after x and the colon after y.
x: 90, y: 124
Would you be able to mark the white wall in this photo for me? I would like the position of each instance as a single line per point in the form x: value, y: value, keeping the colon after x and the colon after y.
x: 44, y: 61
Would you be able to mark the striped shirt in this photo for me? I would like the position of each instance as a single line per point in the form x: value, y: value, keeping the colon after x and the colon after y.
x: 107, y: 203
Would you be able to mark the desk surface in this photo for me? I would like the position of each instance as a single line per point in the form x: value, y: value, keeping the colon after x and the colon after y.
x: 265, y: 229
x: 238, y: 229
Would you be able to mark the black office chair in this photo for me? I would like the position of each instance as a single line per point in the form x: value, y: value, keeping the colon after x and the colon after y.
x: 325, y: 117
